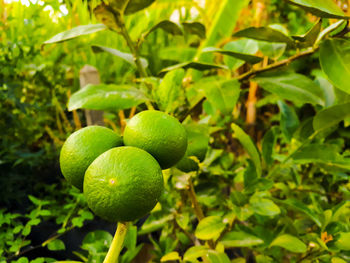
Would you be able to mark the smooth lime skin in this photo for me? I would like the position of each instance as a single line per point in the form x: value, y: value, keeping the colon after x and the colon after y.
x: 82, y: 148
x: 159, y: 134
x: 123, y: 184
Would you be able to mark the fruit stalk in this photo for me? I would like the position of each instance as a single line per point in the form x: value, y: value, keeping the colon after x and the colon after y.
x: 117, y: 243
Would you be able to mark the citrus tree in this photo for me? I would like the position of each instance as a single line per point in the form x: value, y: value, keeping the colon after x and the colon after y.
x: 274, y: 107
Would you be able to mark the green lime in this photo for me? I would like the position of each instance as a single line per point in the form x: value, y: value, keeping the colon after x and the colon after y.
x: 197, y: 145
x: 82, y: 147
x: 158, y: 133
x: 123, y: 184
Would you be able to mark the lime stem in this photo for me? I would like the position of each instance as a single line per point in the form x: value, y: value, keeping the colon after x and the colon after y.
x: 117, y: 243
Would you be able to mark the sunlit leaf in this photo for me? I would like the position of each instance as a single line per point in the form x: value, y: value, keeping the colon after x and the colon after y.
x: 335, y: 62
x: 106, y: 97
x: 240, y: 239
x: 267, y: 34
x: 75, y: 32
x: 210, y: 228
x: 322, y: 8
x: 125, y: 56
x: 248, y: 145
x: 292, y: 86
x: 289, y: 243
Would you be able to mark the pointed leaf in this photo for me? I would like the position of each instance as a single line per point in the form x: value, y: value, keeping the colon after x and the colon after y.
x: 331, y: 116
x: 170, y: 257
x: 169, y: 90
x: 106, y: 97
x: 318, y: 153
x: 321, y: 8
x: 264, y: 206
x: 290, y: 243
x: 125, y: 56
x: 296, y: 204
x: 195, y: 65
x: 268, y: 145
x: 291, y: 86
x: 248, y: 145
x: 310, y: 37
x: 289, y: 121
x: 246, y: 57
x: 195, y: 252
x: 136, y: 5
x: 194, y: 28
x: 210, y: 228
x: 240, y: 239
x: 168, y: 26
x: 335, y: 62
x: 265, y: 34
x: 75, y: 32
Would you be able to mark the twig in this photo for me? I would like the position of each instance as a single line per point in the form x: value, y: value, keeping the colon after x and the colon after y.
x: 278, y: 64
x: 117, y: 243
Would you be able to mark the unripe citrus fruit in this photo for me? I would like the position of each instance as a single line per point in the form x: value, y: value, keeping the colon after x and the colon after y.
x: 123, y: 184
x: 158, y: 133
x: 81, y: 148
x: 198, y: 140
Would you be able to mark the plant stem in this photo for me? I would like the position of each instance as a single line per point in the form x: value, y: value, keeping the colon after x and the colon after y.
x: 117, y: 243
x: 135, y: 52
x: 278, y: 64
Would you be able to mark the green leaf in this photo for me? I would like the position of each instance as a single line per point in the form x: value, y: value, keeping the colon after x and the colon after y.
x: 210, y: 228
x: 317, y: 153
x: 195, y: 65
x: 136, y: 5
x: 248, y: 145
x: 153, y: 224
x: 169, y: 90
x: 34, y: 200
x: 125, y: 56
x: 75, y: 32
x: 195, y: 252
x: 268, y: 144
x: 56, y: 244
x: 331, y: 116
x: 198, y: 140
x: 309, y: 39
x: 97, y: 241
x: 263, y: 206
x: 106, y: 97
x: 335, y: 62
x: 245, y: 57
x: 168, y: 26
x: 194, y: 28
x: 267, y: 34
x: 292, y: 86
x: 343, y: 241
x: 321, y: 8
x: 290, y: 243
x: 222, y: 94
x: 240, y: 239
x: 170, y: 257
x: 289, y: 121
x: 241, y: 46
x: 217, y: 257
x: 296, y: 204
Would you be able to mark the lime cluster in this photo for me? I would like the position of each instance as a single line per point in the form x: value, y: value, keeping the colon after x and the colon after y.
x: 122, y: 177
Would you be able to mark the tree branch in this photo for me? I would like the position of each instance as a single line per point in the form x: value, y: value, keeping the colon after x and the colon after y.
x: 275, y: 65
